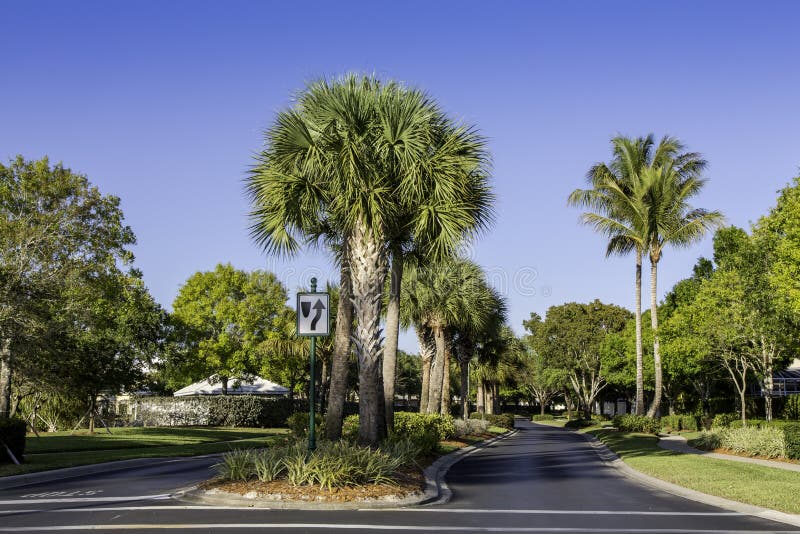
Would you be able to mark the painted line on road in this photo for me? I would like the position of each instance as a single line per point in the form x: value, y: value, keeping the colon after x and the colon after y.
x: 363, y: 527
x: 88, y: 499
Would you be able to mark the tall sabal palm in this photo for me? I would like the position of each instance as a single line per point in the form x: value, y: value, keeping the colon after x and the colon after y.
x: 620, y: 211
x: 671, y: 220
x: 359, y: 162
x: 440, y: 298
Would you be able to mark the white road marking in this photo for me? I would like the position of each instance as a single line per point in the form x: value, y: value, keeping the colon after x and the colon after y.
x: 362, y: 527
x: 88, y: 499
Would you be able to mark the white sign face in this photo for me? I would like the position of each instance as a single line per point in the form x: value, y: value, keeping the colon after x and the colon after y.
x: 313, y: 314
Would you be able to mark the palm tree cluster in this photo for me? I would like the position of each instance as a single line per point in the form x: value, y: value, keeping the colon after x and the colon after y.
x: 640, y: 202
x: 380, y: 175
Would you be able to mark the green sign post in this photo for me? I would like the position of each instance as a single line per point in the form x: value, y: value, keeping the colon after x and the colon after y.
x: 313, y: 320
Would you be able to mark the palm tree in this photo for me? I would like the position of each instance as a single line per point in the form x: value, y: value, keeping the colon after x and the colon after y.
x: 671, y: 220
x: 440, y: 299
x: 620, y: 210
x: 358, y: 162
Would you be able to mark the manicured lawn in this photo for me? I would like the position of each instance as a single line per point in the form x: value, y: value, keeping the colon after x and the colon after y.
x: 57, y: 450
x: 130, y: 438
x: 752, y: 484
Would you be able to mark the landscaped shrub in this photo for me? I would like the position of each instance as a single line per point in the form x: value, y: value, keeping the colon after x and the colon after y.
x: 636, y: 423
x: 12, y: 433
x: 505, y: 420
x: 708, y: 440
x: 753, y: 441
x: 470, y: 427
x: 578, y: 423
x: 791, y: 435
x: 426, y: 430
x: 217, y: 410
x: 332, y: 465
x: 724, y: 420
x: 350, y: 428
x: 679, y: 422
x: 542, y: 417
x: 298, y: 424
x: 791, y: 410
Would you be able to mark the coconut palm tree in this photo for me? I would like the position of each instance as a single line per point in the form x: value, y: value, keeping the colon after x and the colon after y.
x: 359, y: 162
x: 671, y: 220
x: 620, y: 211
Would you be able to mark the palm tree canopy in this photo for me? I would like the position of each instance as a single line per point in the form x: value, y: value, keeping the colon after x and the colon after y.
x: 358, y: 151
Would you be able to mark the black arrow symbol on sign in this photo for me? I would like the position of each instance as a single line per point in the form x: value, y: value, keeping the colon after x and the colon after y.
x: 318, y: 306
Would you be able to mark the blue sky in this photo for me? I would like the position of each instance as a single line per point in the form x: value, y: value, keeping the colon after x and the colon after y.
x: 164, y: 105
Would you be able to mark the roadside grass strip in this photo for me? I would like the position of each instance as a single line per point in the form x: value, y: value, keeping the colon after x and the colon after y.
x: 757, y: 485
x: 56, y: 460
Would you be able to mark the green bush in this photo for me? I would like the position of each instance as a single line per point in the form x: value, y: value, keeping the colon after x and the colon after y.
x: 237, y: 465
x: 350, y: 428
x: 768, y: 442
x: 505, y: 420
x: 12, y: 433
x: 791, y: 435
x: 542, y: 417
x: 791, y: 410
x: 636, y: 423
x: 578, y: 423
x: 679, y: 422
x: 298, y: 424
x: 724, y: 420
x: 470, y: 427
x: 708, y: 440
x: 217, y: 410
x: 425, y: 430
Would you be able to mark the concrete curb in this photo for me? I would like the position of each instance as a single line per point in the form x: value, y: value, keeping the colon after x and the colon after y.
x: 611, y: 458
x: 436, y: 489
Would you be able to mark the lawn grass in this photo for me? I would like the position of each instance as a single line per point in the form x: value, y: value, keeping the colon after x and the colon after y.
x: 62, y: 450
x: 137, y: 437
x: 752, y: 484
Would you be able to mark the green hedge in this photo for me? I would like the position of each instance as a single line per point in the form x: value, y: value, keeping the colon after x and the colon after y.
x: 424, y: 430
x: 505, y: 420
x: 542, y: 417
x: 217, y: 410
x: 636, y: 423
x: 12, y: 433
x: 791, y: 433
x: 680, y: 422
x: 724, y: 420
x: 298, y: 424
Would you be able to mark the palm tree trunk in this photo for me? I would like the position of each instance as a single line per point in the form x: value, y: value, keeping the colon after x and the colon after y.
x: 5, y: 379
x: 437, y: 372
x: 639, y: 350
x: 367, y: 273
x: 464, y: 389
x: 392, y: 334
x: 341, y: 351
x: 654, y: 407
x: 445, y: 406
x: 480, y: 402
x: 426, y: 355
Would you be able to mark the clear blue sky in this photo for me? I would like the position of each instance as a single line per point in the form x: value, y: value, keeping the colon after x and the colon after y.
x: 164, y: 104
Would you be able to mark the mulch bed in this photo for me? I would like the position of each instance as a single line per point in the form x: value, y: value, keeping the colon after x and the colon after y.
x: 408, y: 483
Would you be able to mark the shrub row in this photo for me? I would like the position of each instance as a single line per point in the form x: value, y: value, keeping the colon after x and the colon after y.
x: 766, y: 441
x: 636, y: 423
x: 677, y: 423
x: 424, y: 430
x: 217, y: 410
x: 505, y: 420
x: 331, y: 465
x: 542, y: 417
x: 470, y: 427
x: 12, y: 434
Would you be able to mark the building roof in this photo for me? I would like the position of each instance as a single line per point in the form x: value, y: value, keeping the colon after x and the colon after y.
x: 251, y: 386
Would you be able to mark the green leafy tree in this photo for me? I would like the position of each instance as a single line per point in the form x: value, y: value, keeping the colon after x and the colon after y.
x: 221, y: 317
x: 357, y: 162
x: 56, y: 231
x: 571, y: 338
x: 543, y: 380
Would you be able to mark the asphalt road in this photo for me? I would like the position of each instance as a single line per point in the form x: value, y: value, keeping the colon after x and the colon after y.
x: 538, y: 480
